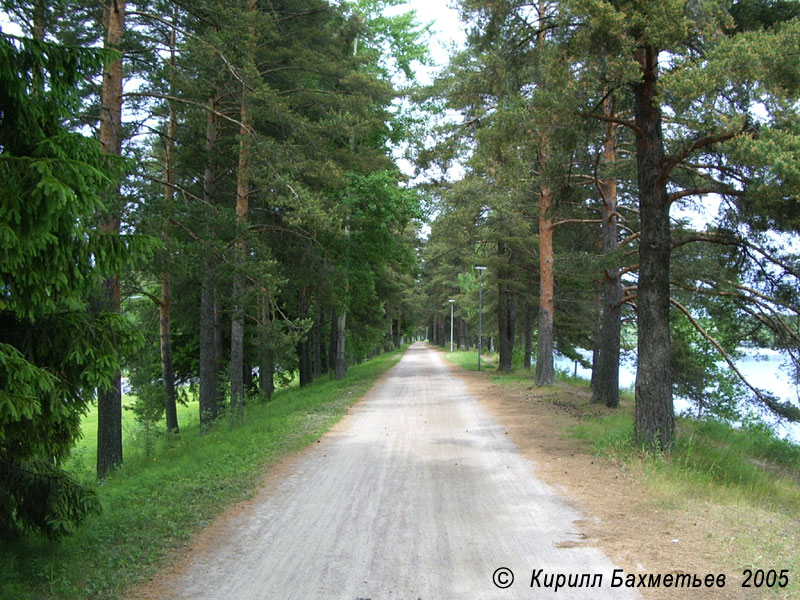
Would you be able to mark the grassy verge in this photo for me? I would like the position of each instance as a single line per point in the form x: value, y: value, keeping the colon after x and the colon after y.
x: 742, y: 486
x: 745, y: 484
x: 153, y: 504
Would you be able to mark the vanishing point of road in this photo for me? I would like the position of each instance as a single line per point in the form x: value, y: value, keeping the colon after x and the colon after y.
x: 416, y: 494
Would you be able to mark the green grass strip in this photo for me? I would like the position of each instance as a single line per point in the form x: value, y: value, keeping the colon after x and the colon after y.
x: 154, y: 503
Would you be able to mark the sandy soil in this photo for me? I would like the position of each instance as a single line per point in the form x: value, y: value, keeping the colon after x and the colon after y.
x: 619, y: 516
x: 419, y: 493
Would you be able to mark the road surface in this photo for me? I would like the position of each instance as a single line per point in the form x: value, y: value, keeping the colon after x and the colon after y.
x: 417, y: 494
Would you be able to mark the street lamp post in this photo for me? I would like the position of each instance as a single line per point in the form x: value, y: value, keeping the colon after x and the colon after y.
x: 451, y: 324
x: 480, y: 312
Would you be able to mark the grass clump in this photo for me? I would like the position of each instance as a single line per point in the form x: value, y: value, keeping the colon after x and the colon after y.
x: 709, y: 459
x: 155, y: 501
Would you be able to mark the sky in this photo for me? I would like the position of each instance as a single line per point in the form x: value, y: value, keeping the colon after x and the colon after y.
x: 446, y: 30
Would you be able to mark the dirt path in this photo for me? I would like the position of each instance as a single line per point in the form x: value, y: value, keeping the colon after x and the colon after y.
x: 417, y: 494
x: 638, y: 532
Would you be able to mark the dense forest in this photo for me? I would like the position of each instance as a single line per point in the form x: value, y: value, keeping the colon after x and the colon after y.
x: 202, y: 200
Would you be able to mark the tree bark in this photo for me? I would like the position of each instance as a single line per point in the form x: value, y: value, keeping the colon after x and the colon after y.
x: 209, y: 358
x: 304, y: 345
x: 324, y: 342
x: 167, y: 372
x: 333, y: 342
x: 341, y: 362
x: 388, y: 342
x: 109, y: 401
x: 606, y: 374
x: 545, y: 370
x: 237, y: 352
x: 505, y: 315
x: 242, y: 209
x: 316, y: 354
x: 398, y: 336
x: 655, y: 420
x: 266, y: 362
x: 527, y: 361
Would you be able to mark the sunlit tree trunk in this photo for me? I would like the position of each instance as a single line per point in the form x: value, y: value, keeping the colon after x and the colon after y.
x: 545, y: 370
x: 242, y: 208
x: 109, y: 401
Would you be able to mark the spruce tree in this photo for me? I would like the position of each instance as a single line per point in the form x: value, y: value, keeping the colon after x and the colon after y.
x: 55, y: 351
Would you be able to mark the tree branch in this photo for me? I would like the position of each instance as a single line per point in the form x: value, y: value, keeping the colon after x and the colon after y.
x: 672, y: 161
x: 565, y: 221
x: 782, y: 409
x: 702, y: 190
x: 185, y: 101
x: 606, y: 119
x: 234, y: 71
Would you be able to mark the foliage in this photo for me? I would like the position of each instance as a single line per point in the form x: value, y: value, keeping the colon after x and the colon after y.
x: 53, y: 350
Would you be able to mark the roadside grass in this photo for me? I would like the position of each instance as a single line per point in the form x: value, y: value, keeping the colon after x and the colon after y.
x: 153, y: 504
x: 83, y: 457
x: 468, y: 359
x: 742, y: 484
x: 744, y: 481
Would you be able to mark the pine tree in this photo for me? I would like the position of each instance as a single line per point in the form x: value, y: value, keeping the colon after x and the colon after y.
x: 718, y: 75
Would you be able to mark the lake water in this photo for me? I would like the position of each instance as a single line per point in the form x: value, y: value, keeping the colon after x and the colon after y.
x: 765, y: 369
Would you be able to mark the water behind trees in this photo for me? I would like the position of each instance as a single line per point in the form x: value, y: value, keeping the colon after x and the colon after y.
x: 763, y: 368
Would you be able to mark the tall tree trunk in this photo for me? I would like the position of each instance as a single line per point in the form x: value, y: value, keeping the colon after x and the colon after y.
x: 333, y: 342
x: 304, y: 345
x: 209, y: 359
x: 398, y: 339
x: 165, y: 309
x: 388, y: 341
x: 655, y: 419
x: 316, y: 354
x: 109, y: 401
x: 505, y: 315
x: 167, y: 373
x: 266, y: 362
x: 237, y: 352
x: 341, y: 361
x: 242, y: 209
x: 545, y: 370
x: 527, y: 361
x: 38, y: 32
x: 324, y: 342
x: 606, y: 379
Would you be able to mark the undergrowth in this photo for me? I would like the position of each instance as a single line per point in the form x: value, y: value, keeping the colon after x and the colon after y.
x: 155, y: 502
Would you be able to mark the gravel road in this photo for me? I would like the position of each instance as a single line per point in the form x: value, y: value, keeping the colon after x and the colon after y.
x: 417, y: 494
